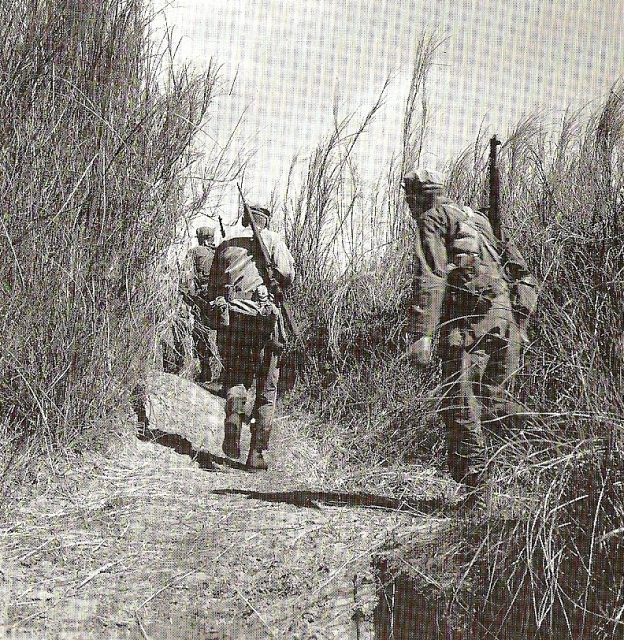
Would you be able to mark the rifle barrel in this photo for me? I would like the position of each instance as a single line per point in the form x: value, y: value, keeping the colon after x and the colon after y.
x: 269, y: 267
x: 494, y: 209
x: 222, y: 227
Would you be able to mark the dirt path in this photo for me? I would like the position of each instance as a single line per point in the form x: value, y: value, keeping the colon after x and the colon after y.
x: 156, y: 541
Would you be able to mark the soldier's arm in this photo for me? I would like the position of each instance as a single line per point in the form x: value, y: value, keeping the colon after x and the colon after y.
x: 430, y: 277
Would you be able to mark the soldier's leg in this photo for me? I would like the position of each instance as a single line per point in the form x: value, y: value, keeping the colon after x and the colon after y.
x: 264, y: 407
x: 502, y: 413
x: 461, y: 411
x: 236, y: 380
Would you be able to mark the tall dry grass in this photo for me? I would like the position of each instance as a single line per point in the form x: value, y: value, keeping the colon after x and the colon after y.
x: 97, y: 126
x: 354, y: 282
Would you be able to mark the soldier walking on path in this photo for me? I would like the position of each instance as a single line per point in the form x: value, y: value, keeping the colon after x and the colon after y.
x: 193, y: 291
x: 251, y: 328
x: 477, y: 293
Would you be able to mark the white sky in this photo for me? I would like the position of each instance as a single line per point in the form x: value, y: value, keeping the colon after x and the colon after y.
x: 500, y: 59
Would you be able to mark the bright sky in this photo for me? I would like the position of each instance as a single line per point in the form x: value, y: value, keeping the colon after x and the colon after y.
x: 294, y: 59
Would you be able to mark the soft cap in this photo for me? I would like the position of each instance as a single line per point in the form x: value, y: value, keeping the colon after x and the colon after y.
x: 425, y: 176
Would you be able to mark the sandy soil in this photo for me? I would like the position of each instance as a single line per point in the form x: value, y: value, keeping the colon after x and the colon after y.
x: 158, y: 539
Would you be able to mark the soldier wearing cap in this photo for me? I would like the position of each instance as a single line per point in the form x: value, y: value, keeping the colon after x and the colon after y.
x: 463, y: 291
x: 249, y: 324
x: 193, y: 290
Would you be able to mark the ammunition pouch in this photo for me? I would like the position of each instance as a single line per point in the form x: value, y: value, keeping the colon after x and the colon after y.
x: 523, y: 304
x: 279, y: 337
x: 259, y: 314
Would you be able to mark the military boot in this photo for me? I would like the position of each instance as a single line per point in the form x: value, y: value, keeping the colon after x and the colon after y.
x: 256, y: 461
x: 260, y: 435
x: 264, y: 424
x: 235, y: 400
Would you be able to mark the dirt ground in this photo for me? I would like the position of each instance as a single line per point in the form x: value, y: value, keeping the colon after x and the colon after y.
x: 157, y: 539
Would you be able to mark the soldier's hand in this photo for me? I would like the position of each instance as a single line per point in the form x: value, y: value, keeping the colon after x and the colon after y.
x: 419, y: 352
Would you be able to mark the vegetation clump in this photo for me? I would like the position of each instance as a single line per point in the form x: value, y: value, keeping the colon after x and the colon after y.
x: 97, y: 127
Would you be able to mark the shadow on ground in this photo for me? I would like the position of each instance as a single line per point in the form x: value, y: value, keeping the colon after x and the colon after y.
x: 181, y: 445
x: 312, y: 499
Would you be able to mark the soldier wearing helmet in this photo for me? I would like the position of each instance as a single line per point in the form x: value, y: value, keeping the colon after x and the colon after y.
x: 249, y: 331
x: 200, y: 260
x: 463, y: 294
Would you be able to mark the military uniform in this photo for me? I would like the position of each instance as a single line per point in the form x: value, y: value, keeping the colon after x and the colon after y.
x: 463, y: 289
x: 249, y: 337
x: 199, y: 261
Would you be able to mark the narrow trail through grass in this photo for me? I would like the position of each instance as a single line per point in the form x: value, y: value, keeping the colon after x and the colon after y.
x: 146, y: 542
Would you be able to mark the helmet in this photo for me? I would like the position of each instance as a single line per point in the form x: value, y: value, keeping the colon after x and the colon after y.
x: 205, y: 232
